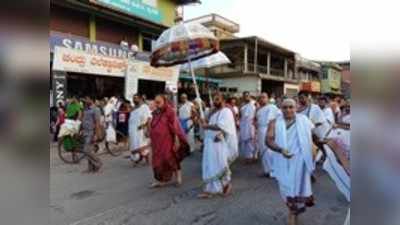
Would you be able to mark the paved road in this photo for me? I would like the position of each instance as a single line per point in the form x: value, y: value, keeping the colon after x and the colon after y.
x: 119, y: 196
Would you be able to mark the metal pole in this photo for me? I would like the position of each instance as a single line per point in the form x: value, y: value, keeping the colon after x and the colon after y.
x: 196, y: 89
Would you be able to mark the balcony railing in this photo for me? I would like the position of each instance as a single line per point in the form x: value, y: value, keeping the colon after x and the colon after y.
x: 232, y: 68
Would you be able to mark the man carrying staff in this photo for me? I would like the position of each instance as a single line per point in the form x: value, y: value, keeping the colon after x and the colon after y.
x: 247, y: 129
x: 264, y: 115
x: 290, y: 135
x: 168, y: 143
x: 220, y: 149
x: 139, y: 122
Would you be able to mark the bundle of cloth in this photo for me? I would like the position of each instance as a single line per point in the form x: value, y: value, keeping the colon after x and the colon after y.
x: 69, y: 128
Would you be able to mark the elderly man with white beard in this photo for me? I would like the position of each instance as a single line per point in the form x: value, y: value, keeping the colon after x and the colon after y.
x: 290, y: 135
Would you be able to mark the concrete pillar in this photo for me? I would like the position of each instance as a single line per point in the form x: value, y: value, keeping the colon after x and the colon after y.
x: 92, y: 28
x: 140, y: 41
x: 269, y: 63
x: 255, y: 56
x: 246, y: 50
x: 285, y: 68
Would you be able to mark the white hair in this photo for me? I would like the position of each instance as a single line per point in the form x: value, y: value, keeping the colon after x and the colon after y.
x: 289, y: 101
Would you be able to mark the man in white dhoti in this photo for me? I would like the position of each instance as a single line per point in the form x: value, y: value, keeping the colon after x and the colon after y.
x: 290, y: 135
x: 220, y: 150
x: 247, y: 139
x: 185, y: 117
x: 264, y: 115
x: 139, y: 120
x: 322, y: 126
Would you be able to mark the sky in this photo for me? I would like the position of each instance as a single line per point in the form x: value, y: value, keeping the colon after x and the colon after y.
x: 316, y: 29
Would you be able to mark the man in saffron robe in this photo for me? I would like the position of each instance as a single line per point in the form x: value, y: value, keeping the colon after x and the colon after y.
x: 168, y: 143
x: 291, y: 135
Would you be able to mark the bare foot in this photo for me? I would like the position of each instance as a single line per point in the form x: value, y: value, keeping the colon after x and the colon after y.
x: 204, y: 195
x: 228, y: 190
x: 292, y: 219
x: 157, y: 185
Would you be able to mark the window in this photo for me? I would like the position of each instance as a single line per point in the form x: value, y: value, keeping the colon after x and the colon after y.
x: 222, y: 89
x: 147, y: 41
x: 233, y: 90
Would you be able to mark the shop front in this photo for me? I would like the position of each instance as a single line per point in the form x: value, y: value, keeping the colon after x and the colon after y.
x: 206, y: 86
x: 99, y: 69
x: 291, y: 90
x: 78, y: 73
x: 314, y: 87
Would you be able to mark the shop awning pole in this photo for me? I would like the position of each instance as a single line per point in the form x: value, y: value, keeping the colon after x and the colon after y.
x: 196, y: 89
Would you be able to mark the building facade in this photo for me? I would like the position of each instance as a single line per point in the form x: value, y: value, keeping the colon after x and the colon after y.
x: 346, y: 79
x: 110, y: 32
x: 331, y: 78
x: 309, y: 73
x: 257, y: 66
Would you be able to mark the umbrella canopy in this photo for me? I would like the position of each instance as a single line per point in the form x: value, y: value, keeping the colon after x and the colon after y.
x: 214, y: 60
x: 182, y: 43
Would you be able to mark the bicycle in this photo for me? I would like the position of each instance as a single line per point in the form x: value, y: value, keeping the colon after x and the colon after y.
x: 70, y: 149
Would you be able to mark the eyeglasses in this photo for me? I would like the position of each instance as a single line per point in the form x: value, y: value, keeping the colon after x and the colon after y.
x: 287, y: 107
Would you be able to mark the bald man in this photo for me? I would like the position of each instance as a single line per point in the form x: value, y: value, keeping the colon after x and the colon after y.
x: 290, y: 135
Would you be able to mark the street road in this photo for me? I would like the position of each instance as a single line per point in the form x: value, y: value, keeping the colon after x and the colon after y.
x: 120, y: 196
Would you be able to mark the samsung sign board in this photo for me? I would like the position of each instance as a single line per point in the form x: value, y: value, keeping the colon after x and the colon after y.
x: 99, y: 48
x: 146, y: 9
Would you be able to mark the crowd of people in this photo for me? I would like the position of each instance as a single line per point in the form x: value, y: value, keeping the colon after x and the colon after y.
x: 289, y: 136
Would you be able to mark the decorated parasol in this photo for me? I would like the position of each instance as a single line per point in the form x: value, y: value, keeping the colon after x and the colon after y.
x: 217, y: 59
x: 184, y: 43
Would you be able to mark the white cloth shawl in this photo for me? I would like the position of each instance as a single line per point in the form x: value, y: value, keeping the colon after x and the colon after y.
x: 303, y: 127
x: 218, y: 155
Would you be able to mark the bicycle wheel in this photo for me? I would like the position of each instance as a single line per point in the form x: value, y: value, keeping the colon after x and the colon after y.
x: 117, y: 148
x: 69, y: 157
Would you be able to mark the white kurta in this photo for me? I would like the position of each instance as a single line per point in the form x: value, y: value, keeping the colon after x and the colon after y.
x: 218, y: 155
x: 138, y: 117
x: 329, y: 116
x: 185, y: 113
x: 247, y: 130
x: 316, y: 115
x: 294, y: 175
x: 264, y: 116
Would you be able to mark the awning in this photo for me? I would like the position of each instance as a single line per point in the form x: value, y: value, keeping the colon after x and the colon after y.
x: 200, y: 78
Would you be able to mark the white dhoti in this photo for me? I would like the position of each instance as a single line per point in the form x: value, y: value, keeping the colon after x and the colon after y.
x: 217, y: 156
x: 138, y: 141
x: 185, y: 113
x: 264, y: 116
x: 294, y: 174
x: 247, y: 131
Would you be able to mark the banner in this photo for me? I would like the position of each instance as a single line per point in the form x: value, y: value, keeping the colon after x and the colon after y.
x: 146, y: 9
x: 142, y: 70
x: 70, y: 60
